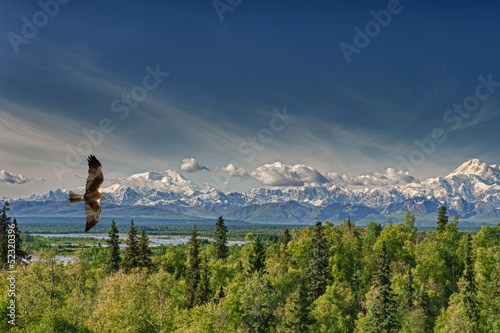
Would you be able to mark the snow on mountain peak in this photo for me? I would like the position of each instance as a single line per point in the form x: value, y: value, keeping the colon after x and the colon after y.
x: 166, y: 181
x: 475, y: 167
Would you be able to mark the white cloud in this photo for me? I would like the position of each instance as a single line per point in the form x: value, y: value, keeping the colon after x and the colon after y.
x: 19, y: 179
x: 190, y: 165
x: 279, y: 174
x: 391, y: 176
x: 233, y: 171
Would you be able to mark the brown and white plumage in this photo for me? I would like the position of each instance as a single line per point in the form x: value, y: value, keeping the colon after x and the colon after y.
x: 92, y: 196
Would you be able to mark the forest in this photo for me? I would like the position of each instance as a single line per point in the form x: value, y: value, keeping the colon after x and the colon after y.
x: 321, y: 278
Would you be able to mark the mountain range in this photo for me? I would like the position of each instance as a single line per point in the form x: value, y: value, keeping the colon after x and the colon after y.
x: 472, y: 192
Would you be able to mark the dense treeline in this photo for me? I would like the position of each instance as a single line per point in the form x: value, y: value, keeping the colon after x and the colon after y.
x: 324, y: 278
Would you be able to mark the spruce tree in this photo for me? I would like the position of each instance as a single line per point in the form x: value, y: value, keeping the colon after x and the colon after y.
x: 469, y: 290
x: 257, y: 257
x: 114, y: 258
x: 130, y: 256
x: 408, y: 291
x: 203, y: 290
x: 316, y: 274
x: 382, y: 317
x: 193, y: 270
x: 442, y: 220
x: 286, y: 238
x: 18, y: 242
x: 143, y: 251
x: 4, y: 226
x: 221, y: 239
x: 409, y: 220
x: 423, y: 304
x: 296, y: 314
x: 220, y: 294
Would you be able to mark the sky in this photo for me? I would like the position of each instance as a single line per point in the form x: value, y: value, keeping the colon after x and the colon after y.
x: 239, y: 94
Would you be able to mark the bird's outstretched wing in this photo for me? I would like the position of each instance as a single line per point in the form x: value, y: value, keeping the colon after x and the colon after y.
x: 95, y: 177
x: 93, y: 210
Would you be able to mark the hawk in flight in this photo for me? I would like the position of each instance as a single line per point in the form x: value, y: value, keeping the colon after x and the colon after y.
x: 92, y: 196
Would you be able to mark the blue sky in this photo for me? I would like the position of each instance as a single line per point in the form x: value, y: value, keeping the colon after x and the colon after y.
x: 225, y: 78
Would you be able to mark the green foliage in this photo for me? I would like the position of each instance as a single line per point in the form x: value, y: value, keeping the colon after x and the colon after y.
x: 335, y: 310
x: 286, y: 238
x: 409, y: 220
x: 193, y: 275
x: 130, y: 256
x: 382, y: 316
x: 113, y: 263
x: 4, y: 226
x: 202, y: 294
x: 469, y: 290
x: 18, y: 241
x: 258, y: 302
x: 143, y: 251
x: 316, y: 273
x: 408, y: 291
x: 221, y: 238
x: 438, y: 265
x: 257, y: 258
x: 294, y: 314
x: 326, y: 279
x: 442, y: 219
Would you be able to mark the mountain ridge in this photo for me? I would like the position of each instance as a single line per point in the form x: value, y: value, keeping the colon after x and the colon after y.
x: 471, y: 191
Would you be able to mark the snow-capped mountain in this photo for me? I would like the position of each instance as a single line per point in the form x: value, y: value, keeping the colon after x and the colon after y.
x: 472, y: 190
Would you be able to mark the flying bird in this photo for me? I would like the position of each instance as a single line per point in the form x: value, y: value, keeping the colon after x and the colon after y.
x: 92, y: 196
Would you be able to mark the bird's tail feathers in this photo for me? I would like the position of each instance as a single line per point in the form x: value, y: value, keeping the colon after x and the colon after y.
x: 76, y: 197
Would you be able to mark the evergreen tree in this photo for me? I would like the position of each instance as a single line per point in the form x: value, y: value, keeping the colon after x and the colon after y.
x: 193, y: 275
x: 442, y: 220
x: 316, y: 274
x: 114, y: 258
x: 296, y: 312
x: 221, y: 238
x: 203, y: 290
x: 18, y: 242
x: 382, y: 317
x: 220, y: 294
x: 423, y: 304
x: 257, y: 257
x: 143, y: 251
x: 409, y: 220
x: 286, y: 238
x: 4, y: 226
x: 422, y: 299
x: 408, y: 291
x: 469, y: 291
x: 130, y: 256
